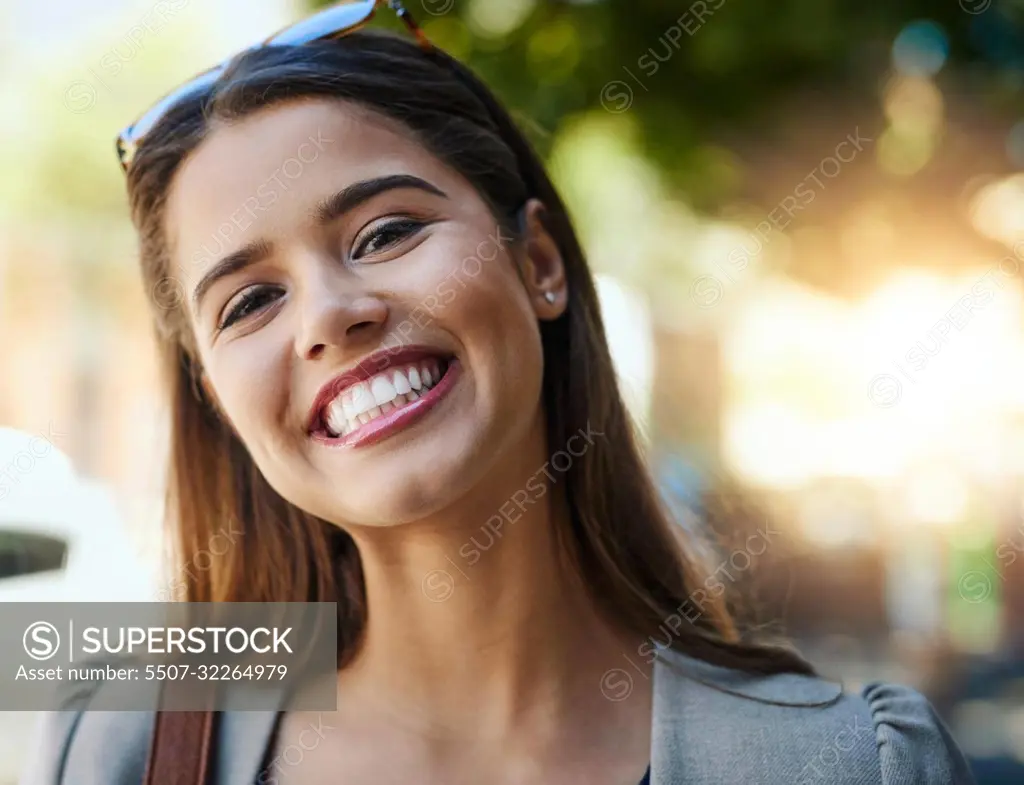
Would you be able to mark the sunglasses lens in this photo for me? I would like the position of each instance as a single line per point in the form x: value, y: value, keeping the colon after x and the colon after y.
x: 331, y: 22
x: 151, y: 118
x: 325, y: 24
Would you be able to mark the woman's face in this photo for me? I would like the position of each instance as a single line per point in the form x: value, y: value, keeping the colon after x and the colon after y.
x: 357, y: 311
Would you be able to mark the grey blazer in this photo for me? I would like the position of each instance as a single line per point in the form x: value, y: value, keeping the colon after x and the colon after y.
x: 711, y: 726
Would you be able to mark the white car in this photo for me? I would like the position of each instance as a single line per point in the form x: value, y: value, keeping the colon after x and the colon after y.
x: 61, y: 540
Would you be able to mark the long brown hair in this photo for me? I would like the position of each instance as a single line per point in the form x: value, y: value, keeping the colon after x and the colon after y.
x: 641, y: 572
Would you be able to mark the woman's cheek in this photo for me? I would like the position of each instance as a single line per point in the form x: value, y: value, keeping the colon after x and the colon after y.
x: 250, y: 381
x: 446, y: 292
x: 448, y: 280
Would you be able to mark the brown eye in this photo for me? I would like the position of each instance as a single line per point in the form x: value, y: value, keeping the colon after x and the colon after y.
x: 250, y: 301
x: 386, y: 235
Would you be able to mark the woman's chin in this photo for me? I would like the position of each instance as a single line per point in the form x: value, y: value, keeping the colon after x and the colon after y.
x: 396, y: 496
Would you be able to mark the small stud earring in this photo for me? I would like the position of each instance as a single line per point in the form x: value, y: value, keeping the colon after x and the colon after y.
x: 550, y: 297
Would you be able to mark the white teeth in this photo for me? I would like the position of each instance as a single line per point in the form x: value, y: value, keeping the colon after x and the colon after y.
x: 337, y: 418
x: 365, y: 401
x: 347, y: 408
x: 414, y: 379
x: 402, y: 385
x: 362, y: 398
x: 383, y: 390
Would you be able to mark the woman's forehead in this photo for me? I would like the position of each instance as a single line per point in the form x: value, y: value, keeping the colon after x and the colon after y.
x: 282, y: 144
x: 270, y: 169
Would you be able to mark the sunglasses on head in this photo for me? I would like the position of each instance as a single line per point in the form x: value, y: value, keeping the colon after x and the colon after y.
x: 326, y: 25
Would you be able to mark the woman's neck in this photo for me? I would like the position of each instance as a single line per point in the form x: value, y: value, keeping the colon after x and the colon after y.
x: 476, y: 623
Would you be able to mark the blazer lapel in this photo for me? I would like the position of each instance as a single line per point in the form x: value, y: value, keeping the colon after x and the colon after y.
x: 243, y: 738
x: 668, y: 765
x: 244, y: 734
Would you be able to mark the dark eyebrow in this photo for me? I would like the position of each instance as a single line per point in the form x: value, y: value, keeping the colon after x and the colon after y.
x: 327, y: 210
x: 237, y: 260
x: 352, y: 196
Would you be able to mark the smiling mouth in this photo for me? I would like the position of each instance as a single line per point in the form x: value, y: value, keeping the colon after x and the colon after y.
x: 372, y: 409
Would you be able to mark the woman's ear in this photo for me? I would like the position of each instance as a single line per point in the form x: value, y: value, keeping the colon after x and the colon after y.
x: 543, y: 271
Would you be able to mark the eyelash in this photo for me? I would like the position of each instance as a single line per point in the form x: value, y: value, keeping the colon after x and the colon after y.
x: 406, y: 227
x: 238, y: 311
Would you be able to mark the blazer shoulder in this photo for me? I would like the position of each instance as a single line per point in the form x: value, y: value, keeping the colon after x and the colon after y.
x: 791, y: 728
x: 914, y: 743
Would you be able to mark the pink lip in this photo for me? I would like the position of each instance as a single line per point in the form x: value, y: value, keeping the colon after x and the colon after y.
x: 392, y: 422
x: 366, y: 369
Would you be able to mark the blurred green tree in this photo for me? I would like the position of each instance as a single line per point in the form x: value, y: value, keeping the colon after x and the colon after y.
x: 689, y: 73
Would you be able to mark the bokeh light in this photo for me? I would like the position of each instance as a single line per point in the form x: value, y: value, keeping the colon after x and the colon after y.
x: 920, y: 49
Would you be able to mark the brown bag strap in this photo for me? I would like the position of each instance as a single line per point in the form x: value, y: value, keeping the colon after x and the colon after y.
x: 181, y: 748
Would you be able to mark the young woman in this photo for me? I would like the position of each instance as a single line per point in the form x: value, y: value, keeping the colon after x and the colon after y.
x: 387, y: 369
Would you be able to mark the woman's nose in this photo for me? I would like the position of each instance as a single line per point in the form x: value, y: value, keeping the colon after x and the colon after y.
x: 333, y: 320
